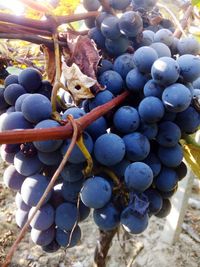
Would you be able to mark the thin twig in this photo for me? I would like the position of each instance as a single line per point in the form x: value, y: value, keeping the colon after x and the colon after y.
x: 48, y: 189
x: 80, y: 143
x: 28, y: 62
x: 190, y: 231
x: 76, y: 222
x: 184, y: 21
x: 106, y: 6
x: 178, y: 24
x: 138, y: 248
x: 76, y: 17
x: 85, y: 32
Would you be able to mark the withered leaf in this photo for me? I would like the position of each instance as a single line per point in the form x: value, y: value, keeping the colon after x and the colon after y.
x: 50, y: 65
x: 77, y: 83
x: 192, y: 156
x: 83, y: 52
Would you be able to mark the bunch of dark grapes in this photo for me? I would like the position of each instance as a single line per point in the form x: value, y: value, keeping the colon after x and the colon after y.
x: 138, y: 158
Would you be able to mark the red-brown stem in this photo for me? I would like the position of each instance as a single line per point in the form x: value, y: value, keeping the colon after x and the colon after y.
x: 86, y: 120
x: 62, y: 132
x: 76, y: 17
x: 48, y: 189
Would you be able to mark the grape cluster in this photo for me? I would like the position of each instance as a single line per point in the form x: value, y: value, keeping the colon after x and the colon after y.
x: 136, y: 150
x: 25, y: 104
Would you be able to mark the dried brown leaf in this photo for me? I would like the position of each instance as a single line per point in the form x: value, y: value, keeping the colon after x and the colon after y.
x: 83, y: 52
x: 50, y: 64
x: 77, y: 83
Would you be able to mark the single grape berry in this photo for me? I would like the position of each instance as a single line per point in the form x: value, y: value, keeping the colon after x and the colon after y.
x: 138, y: 176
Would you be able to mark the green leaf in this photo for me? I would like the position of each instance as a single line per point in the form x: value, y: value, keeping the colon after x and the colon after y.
x: 13, y: 70
x: 192, y: 156
x: 196, y: 3
x: 65, y: 7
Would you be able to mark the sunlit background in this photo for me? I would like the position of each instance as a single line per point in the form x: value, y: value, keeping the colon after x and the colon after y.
x: 14, y: 5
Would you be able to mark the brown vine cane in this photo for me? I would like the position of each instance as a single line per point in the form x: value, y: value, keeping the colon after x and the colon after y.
x: 62, y: 132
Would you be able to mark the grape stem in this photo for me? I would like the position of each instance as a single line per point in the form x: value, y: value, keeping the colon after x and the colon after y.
x: 62, y: 132
x: 48, y: 189
x: 76, y: 17
x: 76, y: 223
x: 87, y: 171
x: 103, y: 245
x: 110, y: 173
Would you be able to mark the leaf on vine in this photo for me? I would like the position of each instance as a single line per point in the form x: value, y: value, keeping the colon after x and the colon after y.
x: 33, y: 14
x: 50, y: 64
x: 77, y: 83
x: 196, y: 3
x: 192, y: 156
x: 36, y: 10
x: 65, y: 7
x: 13, y: 70
x: 83, y: 52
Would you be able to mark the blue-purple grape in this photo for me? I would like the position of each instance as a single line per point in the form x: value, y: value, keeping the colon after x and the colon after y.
x: 109, y: 149
x: 96, y: 192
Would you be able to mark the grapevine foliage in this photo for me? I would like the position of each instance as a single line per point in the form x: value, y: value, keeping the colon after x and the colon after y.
x: 196, y: 3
